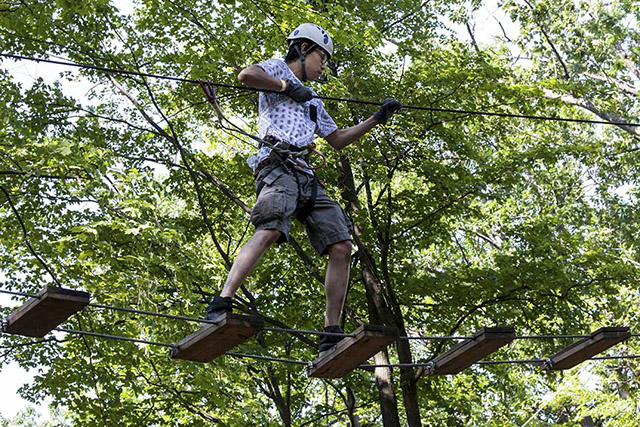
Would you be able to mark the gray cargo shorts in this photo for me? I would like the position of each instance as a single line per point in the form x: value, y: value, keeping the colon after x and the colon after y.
x: 277, y: 204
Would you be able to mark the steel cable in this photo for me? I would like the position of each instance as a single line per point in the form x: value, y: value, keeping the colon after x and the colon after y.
x: 325, y: 98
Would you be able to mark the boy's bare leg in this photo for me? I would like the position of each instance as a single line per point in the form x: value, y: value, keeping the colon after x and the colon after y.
x: 247, y: 259
x: 336, y: 280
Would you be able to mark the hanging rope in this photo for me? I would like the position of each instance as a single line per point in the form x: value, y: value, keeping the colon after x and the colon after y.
x: 210, y: 92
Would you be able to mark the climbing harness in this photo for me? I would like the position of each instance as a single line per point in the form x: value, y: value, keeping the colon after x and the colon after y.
x: 276, y: 161
x: 294, y: 160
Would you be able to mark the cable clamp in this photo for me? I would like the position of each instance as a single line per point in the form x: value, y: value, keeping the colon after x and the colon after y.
x: 173, y: 349
x: 430, y: 368
x: 310, y: 365
x: 547, y: 364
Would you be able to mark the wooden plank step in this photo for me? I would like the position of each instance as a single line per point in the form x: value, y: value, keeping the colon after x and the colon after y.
x: 350, y: 352
x: 211, y: 340
x: 39, y: 316
x: 586, y: 348
x: 485, y: 341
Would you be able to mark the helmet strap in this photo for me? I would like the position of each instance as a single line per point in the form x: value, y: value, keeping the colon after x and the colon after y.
x: 302, y: 59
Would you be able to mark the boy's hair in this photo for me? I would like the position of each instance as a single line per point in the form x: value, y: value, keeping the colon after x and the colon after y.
x: 292, y: 53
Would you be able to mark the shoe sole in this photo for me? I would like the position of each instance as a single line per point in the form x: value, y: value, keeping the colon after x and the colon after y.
x: 215, y: 319
x: 324, y: 353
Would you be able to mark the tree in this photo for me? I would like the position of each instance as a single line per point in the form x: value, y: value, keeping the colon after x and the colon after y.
x: 136, y: 195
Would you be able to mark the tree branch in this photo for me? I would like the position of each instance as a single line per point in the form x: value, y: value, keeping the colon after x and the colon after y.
x: 26, y: 237
x: 504, y: 33
x: 548, y: 39
x: 406, y: 16
x: 623, y: 86
x: 473, y: 38
x: 172, y: 139
x: 436, y: 211
x: 633, y: 69
x: 183, y: 402
x: 589, y: 106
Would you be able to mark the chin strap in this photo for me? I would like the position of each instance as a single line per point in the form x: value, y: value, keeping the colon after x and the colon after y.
x: 302, y: 59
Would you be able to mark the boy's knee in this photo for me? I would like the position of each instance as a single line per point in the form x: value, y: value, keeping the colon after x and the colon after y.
x: 340, y: 249
x: 267, y: 237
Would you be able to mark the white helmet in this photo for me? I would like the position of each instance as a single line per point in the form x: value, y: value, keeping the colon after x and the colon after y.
x: 315, y: 33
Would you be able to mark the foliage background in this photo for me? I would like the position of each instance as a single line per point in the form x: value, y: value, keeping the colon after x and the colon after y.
x: 462, y: 221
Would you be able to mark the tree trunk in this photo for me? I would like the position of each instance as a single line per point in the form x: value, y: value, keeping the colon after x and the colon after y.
x: 408, y: 379
x: 384, y: 376
x: 409, y: 385
x: 386, y: 392
x: 379, y: 313
x: 350, y: 403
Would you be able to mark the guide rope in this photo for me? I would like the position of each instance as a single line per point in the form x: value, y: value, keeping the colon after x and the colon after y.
x: 325, y: 98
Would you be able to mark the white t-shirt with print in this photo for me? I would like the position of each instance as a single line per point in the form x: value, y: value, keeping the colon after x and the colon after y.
x: 283, y: 118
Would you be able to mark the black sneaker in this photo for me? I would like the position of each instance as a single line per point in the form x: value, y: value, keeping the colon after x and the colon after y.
x: 217, y: 307
x: 328, y: 342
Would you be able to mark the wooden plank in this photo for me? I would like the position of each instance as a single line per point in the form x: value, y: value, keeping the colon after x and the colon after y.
x: 350, y: 352
x: 485, y: 341
x: 586, y: 348
x: 211, y: 341
x: 39, y: 316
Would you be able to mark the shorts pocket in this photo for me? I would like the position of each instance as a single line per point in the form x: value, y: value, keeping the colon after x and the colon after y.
x: 271, y: 205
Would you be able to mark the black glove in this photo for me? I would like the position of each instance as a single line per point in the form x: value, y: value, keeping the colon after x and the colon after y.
x: 298, y: 92
x: 388, y: 107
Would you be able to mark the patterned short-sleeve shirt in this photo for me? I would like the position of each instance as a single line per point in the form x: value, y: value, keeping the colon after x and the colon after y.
x: 285, y: 119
